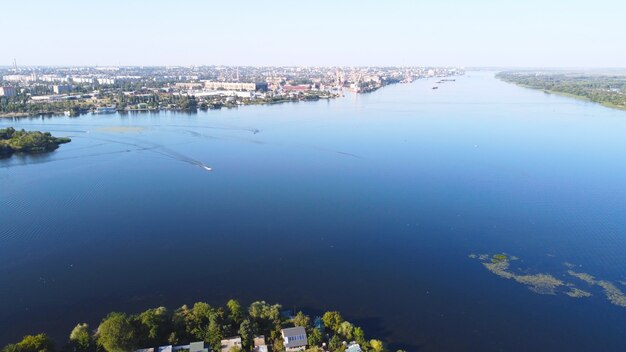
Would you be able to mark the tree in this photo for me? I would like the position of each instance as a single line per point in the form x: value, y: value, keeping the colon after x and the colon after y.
x: 315, y: 337
x: 235, y: 311
x: 302, y: 320
x: 377, y: 345
x: 346, y: 329
x: 80, y: 340
x: 335, y: 344
x: 332, y: 320
x: 214, y: 335
x: 197, y: 320
x: 278, y: 345
x: 179, y: 324
x: 246, y: 333
x: 267, y: 317
x: 32, y: 343
x: 116, y: 333
x: 359, y: 336
x: 155, y: 324
x: 262, y: 310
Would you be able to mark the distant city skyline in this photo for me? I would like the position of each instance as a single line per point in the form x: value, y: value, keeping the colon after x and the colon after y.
x: 321, y: 33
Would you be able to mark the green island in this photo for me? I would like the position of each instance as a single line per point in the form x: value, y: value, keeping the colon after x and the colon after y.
x: 608, y: 89
x: 262, y: 327
x: 13, y: 141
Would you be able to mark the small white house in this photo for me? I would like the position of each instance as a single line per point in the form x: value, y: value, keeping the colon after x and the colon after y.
x: 228, y: 344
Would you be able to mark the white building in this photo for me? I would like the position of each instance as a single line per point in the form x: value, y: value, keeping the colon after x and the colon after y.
x: 87, y: 80
x: 250, y: 87
x: 20, y: 78
x: 106, y: 80
x: 228, y: 344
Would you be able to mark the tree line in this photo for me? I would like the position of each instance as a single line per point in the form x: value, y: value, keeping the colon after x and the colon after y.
x: 121, y: 332
x: 605, y: 89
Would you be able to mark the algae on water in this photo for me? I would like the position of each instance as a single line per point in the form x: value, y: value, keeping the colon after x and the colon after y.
x: 546, y: 283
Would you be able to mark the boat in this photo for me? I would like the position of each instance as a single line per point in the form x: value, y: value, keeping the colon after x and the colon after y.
x: 435, y: 87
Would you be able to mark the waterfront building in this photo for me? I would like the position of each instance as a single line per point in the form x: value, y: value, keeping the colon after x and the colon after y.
x: 199, y: 346
x: 294, y: 339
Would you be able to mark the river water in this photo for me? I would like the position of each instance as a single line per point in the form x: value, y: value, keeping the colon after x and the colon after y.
x: 377, y: 205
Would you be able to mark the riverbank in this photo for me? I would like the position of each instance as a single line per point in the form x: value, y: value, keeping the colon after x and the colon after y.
x: 192, y: 104
x: 232, y: 328
x: 608, y: 91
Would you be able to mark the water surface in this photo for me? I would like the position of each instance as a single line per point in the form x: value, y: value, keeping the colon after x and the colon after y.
x: 368, y: 204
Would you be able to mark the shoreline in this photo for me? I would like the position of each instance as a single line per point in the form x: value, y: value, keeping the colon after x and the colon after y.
x: 567, y: 95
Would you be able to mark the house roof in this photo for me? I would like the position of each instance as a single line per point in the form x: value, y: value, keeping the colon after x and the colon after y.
x: 354, y: 348
x: 298, y: 330
x: 259, y: 340
x: 197, y: 346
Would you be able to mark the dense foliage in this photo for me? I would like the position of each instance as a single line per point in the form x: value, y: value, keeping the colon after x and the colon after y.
x: 609, y: 90
x: 119, y: 332
x: 23, y: 104
x: 12, y: 141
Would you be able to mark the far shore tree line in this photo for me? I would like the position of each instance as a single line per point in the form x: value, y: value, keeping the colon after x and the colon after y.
x: 605, y: 89
x: 121, y: 332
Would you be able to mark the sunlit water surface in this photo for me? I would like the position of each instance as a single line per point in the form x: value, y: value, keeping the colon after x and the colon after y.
x: 367, y: 204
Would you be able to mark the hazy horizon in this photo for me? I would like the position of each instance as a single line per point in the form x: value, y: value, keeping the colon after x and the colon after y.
x: 505, y: 34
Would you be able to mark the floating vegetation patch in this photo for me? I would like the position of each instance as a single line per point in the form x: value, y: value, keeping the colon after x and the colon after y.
x: 577, y: 293
x: 612, y: 293
x: 546, y: 283
x: 583, y: 276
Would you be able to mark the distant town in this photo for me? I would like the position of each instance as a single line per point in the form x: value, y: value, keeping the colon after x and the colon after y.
x: 29, y: 91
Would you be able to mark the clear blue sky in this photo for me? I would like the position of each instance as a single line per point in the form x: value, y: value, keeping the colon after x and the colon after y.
x: 548, y: 33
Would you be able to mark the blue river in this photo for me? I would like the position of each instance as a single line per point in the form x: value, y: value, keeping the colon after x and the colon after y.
x: 387, y: 207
